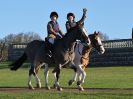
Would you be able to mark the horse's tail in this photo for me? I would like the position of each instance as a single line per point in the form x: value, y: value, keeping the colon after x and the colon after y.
x: 18, y: 63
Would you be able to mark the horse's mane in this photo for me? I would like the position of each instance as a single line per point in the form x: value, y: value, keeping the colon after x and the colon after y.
x: 66, y: 34
x: 70, y: 31
x: 90, y: 35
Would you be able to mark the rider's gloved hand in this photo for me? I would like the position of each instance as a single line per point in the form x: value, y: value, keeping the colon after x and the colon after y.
x: 84, y: 10
x: 58, y: 35
x: 63, y: 35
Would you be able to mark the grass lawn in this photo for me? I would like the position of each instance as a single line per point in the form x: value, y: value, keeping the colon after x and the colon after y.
x: 98, y: 77
x: 65, y: 95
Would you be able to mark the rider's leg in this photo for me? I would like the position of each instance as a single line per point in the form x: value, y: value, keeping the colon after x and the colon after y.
x: 50, y: 47
x: 51, y: 40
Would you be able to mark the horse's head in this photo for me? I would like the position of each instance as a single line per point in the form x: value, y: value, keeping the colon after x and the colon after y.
x: 81, y: 34
x: 96, y: 42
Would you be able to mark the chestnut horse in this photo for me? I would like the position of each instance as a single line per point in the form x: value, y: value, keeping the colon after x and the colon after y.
x: 82, y: 54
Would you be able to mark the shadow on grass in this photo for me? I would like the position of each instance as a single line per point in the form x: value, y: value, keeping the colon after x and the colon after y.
x: 5, y: 65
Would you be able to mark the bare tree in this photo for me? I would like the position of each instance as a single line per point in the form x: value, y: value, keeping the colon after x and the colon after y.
x: 19, y: 37
x: 2, y: 48
x: 30, y: 36
x: 104, y: 36
x: 15, y: 38
x: 22, y: 37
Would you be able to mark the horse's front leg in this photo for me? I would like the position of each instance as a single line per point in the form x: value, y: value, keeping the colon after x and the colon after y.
x: 29, y: 80
x: 73, y: 79
x: 82, y: 73
x: 81, y: 77
x: 38, y: 82
x: 57, y: 76
x: 46, y: 73
x: 79, y: 82
x: 32, y: 72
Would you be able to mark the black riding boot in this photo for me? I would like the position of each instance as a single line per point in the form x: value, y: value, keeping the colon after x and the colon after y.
x: 50, y: 50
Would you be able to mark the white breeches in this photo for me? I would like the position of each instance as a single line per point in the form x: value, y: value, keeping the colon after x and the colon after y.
x: 51, y: 40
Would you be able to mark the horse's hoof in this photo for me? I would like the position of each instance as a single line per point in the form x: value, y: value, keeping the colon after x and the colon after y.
x: 38, y: 85
x: 54, y: 86
x: 78, y: 83
x: 48, y: 88
x: 70, y: 82
x: 59, y: 89
x: 81, y: 88
x: 32, y: 88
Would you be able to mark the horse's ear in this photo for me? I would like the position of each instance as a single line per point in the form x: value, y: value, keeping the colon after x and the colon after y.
x: 95, y: 32
x: 82, y: 24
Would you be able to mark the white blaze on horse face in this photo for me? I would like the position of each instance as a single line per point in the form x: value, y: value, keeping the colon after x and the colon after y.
x: 99, y: 41
x: 85, y: 31
x: 102, y: 50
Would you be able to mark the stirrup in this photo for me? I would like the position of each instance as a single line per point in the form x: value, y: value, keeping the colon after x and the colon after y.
x: 49, y: 55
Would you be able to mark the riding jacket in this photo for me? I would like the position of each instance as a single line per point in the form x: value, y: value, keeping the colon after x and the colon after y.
x: 53, y: 29
x: 73, y: 24
x: 70, y: 25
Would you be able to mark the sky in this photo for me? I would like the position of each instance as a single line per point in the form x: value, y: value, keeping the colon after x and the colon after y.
x: 112, y: 17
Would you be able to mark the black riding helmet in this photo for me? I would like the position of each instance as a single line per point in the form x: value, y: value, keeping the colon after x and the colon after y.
x: 70, y: 14
x: 54, y: 14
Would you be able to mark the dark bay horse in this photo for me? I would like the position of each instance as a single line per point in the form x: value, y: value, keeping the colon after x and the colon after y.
x: 63, y: 55
x: 82, y: 54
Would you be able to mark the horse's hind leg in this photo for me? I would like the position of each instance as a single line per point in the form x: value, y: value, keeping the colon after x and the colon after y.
x: 30, y: 77
x: 57, y: 75
x: 38, y: 83
x: 46, y: 73
x: 32, y: 71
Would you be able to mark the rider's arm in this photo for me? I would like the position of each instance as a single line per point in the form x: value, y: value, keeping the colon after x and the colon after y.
x: 61, y: 32
x: 83, y: 17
